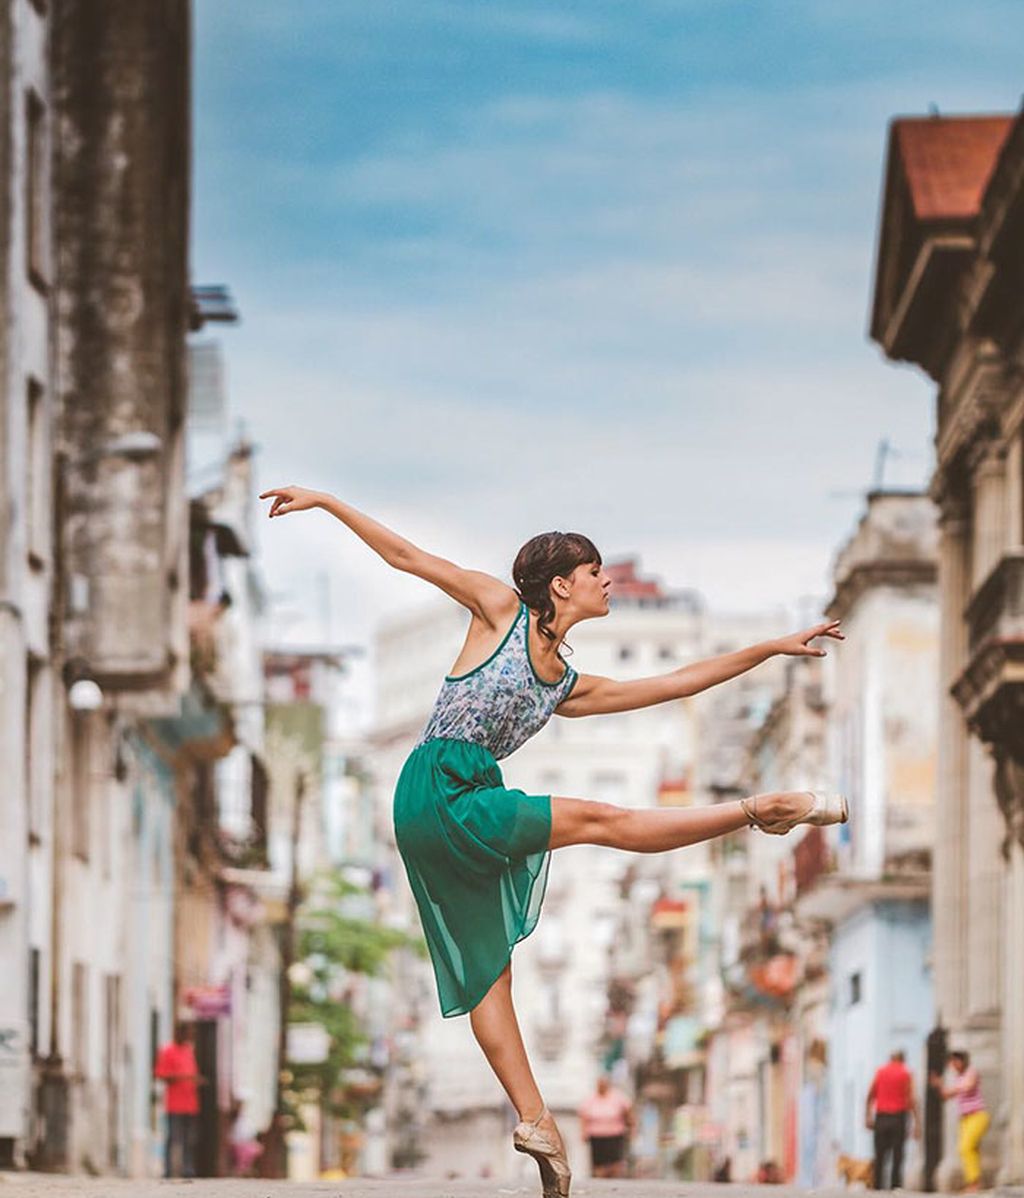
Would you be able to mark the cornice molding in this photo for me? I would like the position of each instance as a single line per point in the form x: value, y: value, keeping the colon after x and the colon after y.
x: 869, y: 575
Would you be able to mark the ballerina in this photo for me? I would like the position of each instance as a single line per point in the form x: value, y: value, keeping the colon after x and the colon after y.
x: 477, y: 852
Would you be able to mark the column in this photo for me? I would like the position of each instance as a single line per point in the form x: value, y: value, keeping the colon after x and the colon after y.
x: 1012, y: 1164
x: 949, y: 857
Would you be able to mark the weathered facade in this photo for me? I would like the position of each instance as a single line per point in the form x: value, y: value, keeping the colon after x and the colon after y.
x: 949, y: 298
x: 94, y: 151
x: 882, y: 721
x: 29, y: 671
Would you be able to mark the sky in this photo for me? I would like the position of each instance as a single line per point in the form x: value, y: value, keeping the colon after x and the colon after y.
x: 507, y: 266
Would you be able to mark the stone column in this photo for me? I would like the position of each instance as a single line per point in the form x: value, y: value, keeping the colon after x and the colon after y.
x: 988, y: 481
x: 949, y: 863
x: 1009, y: 780
x: 982, y: 1030
x: 1012, y: 1170
x: 949, y: 859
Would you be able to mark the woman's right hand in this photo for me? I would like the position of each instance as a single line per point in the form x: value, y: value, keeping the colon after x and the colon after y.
x: 291, y: 499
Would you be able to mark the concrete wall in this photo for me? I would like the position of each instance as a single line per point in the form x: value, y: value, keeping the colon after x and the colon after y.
x: 886, y: 946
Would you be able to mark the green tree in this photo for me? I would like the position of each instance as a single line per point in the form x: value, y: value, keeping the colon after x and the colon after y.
x: 334, y: 942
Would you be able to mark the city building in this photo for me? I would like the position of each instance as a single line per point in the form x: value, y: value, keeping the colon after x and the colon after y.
x: 948, y: 298
x: 768, y: 1021
x: 871, y: 890
x: 94, y: 544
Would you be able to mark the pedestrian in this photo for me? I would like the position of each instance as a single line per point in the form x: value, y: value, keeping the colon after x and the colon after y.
x: 606, y: 1119
x: 176, y: 1067
x: 768, y: 1174
x: 890, y: 1103
x: 477, y: 852
x: 974, y: 1117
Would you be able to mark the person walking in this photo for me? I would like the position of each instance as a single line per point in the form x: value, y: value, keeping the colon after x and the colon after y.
x: 974, y: 1116
x: 890, y: 1103
x: 176, y: 1067
x: 477, y: 852
x: 606, y: 1119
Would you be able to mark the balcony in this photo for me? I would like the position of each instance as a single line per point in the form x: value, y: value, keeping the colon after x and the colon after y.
x: 991, y: 688
x: 550, y: 1036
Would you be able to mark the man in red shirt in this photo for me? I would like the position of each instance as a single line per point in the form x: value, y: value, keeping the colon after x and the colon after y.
x: 890, y: 1101
x: 176, y: 1066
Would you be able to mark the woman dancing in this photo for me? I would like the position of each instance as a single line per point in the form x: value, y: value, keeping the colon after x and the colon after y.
x: 477, y: 852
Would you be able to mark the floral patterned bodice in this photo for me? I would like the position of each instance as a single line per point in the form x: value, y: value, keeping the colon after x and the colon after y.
x: 503, y: 702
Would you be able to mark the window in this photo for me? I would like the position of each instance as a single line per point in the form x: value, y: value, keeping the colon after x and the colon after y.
x: 35, y: 469
x: 625, y: 653
x: 666, y: 653
x: 550, y: 782
x: 855, y: 988
x: 112, y: 1023
x: 81, y: 783
x: 608, y: 787
x: 33, y: 1003
x: 79, y: 1018
x: 35, y: 190
x: 34, y: 703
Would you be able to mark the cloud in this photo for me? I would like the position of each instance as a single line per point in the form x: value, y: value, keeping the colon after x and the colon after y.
x: 634, y: 308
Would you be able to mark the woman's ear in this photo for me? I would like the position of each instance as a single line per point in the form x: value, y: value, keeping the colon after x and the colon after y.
x: 561, y: 587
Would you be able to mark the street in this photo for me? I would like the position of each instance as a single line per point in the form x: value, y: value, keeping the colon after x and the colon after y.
x: 23, y: 1185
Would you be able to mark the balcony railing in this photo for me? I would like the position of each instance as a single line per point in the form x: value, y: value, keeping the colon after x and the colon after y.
x: 991, y: 688
x: 997, y: 610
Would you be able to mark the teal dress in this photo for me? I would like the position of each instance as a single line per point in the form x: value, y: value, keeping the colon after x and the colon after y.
x: 476, y: 851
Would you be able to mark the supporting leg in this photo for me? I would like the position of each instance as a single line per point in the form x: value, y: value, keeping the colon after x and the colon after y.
x: 656, y: 830
x: 496, y: 1029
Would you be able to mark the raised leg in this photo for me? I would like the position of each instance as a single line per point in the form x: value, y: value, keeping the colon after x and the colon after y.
x: 657, y: 830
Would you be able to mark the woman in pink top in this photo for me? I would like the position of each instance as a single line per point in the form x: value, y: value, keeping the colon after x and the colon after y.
x: 974, y: 1118
x: 606, y: 1117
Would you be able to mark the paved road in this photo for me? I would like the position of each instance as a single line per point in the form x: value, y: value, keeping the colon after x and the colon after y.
x: 14, y: 1185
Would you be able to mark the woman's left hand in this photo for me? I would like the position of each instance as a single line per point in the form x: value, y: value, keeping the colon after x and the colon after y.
x: 798, y: 645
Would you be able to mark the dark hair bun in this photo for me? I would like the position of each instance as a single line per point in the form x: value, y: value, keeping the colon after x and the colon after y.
x: 547, y: 556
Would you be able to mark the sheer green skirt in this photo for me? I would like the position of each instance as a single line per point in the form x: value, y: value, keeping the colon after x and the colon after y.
x: 477, y: 858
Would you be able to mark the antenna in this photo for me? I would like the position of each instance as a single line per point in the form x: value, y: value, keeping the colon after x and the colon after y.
x: 884, y: 452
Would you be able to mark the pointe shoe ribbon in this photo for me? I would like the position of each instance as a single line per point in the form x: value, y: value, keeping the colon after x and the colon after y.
x: 549, y: 1153
x: 824, y: 809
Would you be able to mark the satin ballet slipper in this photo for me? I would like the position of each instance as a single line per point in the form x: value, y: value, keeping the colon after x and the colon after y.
x: 823, y: 809
x: 548, y: 1152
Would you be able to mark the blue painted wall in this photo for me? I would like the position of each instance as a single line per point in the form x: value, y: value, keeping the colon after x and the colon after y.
x: 881, y: 999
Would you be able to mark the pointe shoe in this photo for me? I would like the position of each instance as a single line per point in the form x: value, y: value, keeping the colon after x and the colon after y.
x: 824, y: 809
x: 549, y: 1153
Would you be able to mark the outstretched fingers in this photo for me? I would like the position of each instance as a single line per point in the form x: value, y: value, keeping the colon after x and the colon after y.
x: 283, y: 501
x: 830, y: 629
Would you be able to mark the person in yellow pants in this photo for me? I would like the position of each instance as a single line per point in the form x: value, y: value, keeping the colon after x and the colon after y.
x: 974, y: 1118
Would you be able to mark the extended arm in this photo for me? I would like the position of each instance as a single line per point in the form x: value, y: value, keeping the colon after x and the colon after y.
x: 486, y: 597
x: 935, y: 1081
x: 594, y: 695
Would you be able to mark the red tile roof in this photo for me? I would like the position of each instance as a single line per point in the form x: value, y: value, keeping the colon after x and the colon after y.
x: 627, y: 583
x: 948, y: 161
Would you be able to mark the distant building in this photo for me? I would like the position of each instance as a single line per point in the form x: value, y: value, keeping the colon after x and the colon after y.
x: 948, y: 297
x: 770, y: 1013
x: 875, y: 902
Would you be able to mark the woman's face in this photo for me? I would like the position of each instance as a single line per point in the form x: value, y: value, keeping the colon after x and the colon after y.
x: 589, y: 588
x: 957, y: 1064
